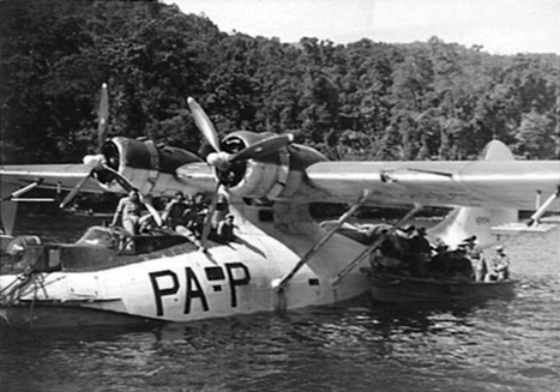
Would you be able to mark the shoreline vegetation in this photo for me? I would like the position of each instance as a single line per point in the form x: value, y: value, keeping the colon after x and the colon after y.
x: 360, y: 101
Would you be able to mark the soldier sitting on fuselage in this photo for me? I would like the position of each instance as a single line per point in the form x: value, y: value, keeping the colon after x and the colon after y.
x: 224, y: 232
x: 177, y: 216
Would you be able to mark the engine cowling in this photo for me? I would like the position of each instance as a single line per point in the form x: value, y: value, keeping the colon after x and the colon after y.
x: 151, y: 169
x: 280, y: 175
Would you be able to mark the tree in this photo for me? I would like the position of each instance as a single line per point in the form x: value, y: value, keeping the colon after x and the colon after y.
x: 535, y: 136
x: 364, y: 100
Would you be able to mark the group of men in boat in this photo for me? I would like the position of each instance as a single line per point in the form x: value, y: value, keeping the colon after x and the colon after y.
x: 487, y: 269
x: 408, y: 251
x: 185, y: 215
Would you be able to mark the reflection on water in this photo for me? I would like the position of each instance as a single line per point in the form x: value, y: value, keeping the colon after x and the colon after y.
x: 494, y: 346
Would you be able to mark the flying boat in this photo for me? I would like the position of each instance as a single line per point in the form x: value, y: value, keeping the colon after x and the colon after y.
x: 280, y: 258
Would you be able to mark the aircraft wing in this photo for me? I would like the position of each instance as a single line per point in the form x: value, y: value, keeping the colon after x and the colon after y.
x: 58, y: 176
x: 15, y: 180
x: 489, y: 184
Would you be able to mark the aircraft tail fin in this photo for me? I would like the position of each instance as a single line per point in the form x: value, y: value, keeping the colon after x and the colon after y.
x: 464, y: 222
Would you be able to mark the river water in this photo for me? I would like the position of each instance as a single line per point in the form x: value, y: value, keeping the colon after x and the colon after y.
x: 501, y: 345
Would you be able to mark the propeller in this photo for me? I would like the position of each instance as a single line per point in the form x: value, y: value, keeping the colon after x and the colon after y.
x: 97, y: 162
x: 103, y: 116
x: 221, y: 160
x: 262, y: 148
x: 127, y: 185
x: 75, y: 190
x: 152, y: 210
x: 204, y: 124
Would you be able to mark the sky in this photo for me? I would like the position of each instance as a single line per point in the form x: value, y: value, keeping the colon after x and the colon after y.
x: 500, y: 26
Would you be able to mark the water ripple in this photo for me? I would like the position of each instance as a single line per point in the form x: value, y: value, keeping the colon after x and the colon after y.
x: 499, y: 345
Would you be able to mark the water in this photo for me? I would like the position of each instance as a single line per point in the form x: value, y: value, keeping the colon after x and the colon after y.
x: 500, y: 345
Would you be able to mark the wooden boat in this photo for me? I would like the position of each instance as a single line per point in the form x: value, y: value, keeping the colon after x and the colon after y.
x: 386, y: 287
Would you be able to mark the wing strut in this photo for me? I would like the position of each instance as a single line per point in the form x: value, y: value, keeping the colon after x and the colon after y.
x: 371, y: 248
x: 25, y: 189
x: 279, y: 284
x: 542, y: 209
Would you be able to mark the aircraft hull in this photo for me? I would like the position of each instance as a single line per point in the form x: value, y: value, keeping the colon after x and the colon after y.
x: 31, y: 316
x: 179, y: 286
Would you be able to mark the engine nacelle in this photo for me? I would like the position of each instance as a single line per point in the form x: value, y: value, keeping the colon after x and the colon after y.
x: 151, y: 169
x: 280, y: 175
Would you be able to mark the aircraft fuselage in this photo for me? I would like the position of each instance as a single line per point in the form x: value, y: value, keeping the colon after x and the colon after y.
x: 182, y: 284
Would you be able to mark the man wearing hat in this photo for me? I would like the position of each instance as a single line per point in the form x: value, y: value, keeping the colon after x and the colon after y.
x: 499, y: 268
x: 476, y: 256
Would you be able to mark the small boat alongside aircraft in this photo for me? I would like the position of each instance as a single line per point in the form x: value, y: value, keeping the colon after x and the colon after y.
x: 280, y: 258
x: 402, y: 272
x: 395, y: 288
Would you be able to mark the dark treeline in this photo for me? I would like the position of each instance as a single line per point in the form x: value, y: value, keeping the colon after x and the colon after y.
x: 364, y: 100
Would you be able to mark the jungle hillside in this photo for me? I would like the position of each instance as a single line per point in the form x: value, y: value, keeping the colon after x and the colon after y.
x: 365, y: 100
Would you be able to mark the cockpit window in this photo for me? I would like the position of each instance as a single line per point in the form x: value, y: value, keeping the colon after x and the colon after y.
x: 100, y: 236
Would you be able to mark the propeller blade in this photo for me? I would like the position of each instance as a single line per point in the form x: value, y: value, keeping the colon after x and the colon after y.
x: 103, y: 115
x: 75, y: 190
x: 123, y: 182
x: 204, y: 124
x: 263, y: 148
x: 153, y: 212
x: 208, y: 218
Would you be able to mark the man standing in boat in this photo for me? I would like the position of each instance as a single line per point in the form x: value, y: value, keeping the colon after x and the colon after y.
x: 419, y: 252
x: 478, y: 260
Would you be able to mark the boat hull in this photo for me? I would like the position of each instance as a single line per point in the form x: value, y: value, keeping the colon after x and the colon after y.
x: 395, y: 288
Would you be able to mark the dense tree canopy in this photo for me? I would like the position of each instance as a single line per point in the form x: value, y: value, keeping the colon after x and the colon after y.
x: 364, y: 100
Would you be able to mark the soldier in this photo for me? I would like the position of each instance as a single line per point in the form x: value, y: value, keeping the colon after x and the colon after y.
x: 175, y: 211
x: 499, y: 266
x: 177, y: 216
x: 225, y: 228
x: 478, y: 260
